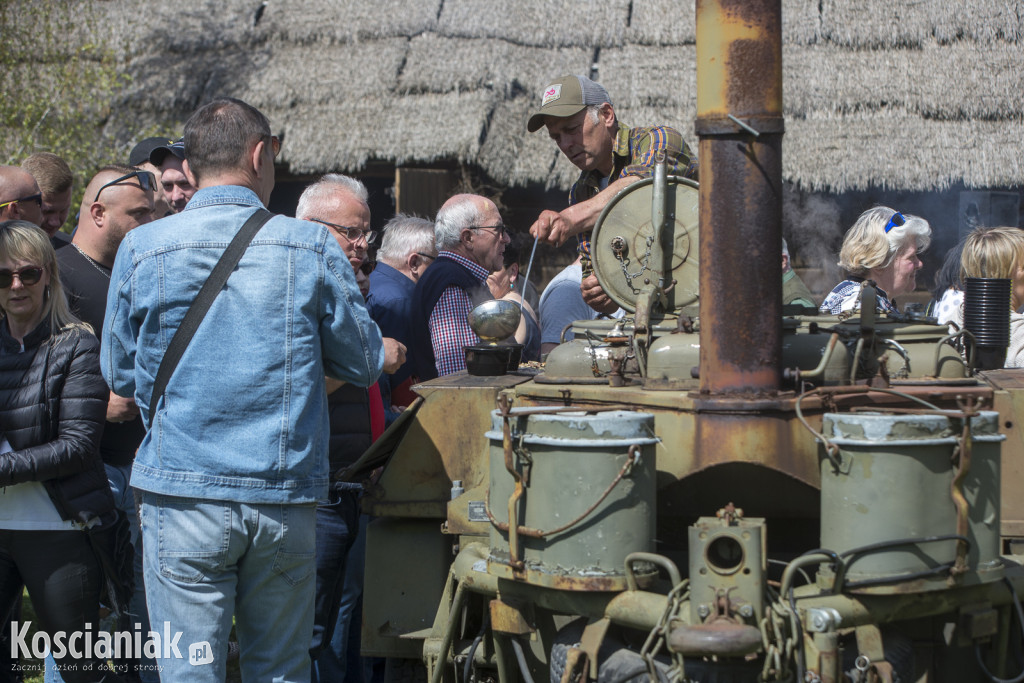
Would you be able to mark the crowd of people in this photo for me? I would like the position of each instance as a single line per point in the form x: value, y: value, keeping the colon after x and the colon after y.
x: 199, y: 371
x: 193, y: 368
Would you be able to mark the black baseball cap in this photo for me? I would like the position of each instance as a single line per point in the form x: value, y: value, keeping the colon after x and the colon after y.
x: 177, y: 148
x: 141, y: 152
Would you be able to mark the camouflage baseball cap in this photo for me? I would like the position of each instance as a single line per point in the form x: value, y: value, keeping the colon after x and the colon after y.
x: 566, y: 96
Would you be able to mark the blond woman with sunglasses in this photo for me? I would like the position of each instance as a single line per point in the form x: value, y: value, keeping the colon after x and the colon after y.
x: 52, y: 483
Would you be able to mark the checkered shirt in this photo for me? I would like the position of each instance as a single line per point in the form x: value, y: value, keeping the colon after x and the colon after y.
x: 845, y: 298
x: 449, y: 322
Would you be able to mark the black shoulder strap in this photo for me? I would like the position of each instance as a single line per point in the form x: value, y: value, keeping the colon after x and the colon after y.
x: 197, y: 311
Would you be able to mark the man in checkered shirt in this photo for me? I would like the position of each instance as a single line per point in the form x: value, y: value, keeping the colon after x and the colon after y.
x: 470, y: 238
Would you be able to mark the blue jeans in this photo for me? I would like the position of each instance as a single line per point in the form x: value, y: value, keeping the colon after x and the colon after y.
x: 208, y: 561
x: 337, y: 527
x: 341, y: 658
x: 124, y: 500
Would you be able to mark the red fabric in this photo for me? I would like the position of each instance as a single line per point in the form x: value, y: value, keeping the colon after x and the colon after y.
x: 403, y: 395
x: 376, y: 412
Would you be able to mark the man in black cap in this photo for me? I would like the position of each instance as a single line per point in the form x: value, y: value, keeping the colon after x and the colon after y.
x: 170, y: 158
x: 139, y: 158
x: 579, y: 117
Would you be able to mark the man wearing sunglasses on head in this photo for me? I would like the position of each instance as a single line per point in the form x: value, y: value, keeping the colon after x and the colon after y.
x: 117, y: 199
x: 20, y: 198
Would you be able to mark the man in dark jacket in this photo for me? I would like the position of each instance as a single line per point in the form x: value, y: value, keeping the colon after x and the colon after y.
x: 340, y: 203
x: 471, y: 238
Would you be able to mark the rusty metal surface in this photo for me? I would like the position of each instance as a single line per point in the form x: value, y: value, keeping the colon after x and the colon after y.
x: 739, y: 78
x: 445, y: 442
x: 507, y: 618
x: 720, y: 638
x: 1009, y: 402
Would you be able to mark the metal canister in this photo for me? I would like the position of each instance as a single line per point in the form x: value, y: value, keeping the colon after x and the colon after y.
x: 888, y: 500
x: 579, y: 498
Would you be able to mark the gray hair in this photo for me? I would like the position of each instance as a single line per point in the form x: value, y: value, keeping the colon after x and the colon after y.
x: 404, y: 235
x: 322, y: 190
x: 453, y: 219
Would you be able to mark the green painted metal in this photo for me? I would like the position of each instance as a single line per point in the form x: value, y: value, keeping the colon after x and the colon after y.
x: 893, y: 482
x: 567, y: 462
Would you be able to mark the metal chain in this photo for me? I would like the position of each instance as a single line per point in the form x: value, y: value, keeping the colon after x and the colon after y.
x: 659, y: 634
x: 778, y: 629
x: 624, y: 262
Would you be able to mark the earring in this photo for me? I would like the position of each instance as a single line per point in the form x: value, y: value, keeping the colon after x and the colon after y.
x: 46, y: 293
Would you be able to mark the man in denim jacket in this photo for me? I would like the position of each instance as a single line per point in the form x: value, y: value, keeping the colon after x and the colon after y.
x: 236, y: 457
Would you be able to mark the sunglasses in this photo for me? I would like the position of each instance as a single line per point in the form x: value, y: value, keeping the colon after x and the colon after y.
x: 147, y: 181
x: 29, y: 275
x: 351, y: 234
x: 894, y: 222
x: 275, y: 144
x: 367, y: 267
x: 37, y: 198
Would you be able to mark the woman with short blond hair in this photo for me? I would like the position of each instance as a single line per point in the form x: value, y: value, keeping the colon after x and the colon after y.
x: 882, y: 246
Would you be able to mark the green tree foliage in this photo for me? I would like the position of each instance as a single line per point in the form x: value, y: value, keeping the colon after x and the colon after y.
x: 58, y: 85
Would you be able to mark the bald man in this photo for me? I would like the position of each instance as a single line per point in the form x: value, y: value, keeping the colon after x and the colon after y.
x: 20, y: 198
x: 116, y: 201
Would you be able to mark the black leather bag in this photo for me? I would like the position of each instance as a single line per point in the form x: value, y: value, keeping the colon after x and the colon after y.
x: 112, y: 544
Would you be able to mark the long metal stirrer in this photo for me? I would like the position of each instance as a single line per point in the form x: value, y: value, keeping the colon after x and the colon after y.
x: 529, y: 265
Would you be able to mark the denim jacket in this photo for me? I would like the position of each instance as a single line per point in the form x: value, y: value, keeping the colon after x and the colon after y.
x: 244, y: 417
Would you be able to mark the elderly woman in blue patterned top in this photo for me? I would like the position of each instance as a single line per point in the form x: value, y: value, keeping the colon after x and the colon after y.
x: 883, y: 246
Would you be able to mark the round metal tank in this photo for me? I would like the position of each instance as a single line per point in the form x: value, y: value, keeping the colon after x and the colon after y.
x: 568, y: 462
x: 894, y: 483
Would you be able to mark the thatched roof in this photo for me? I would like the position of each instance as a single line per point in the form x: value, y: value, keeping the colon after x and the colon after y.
x: 886, y: 93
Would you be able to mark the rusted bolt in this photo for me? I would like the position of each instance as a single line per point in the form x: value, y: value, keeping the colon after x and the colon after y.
x: 703, y: 611
x: 618, y: 245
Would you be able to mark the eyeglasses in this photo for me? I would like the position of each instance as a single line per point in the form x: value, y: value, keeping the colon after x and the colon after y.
x: 366, y: 267
x: 426, y: 255
x: 29, y: 275
x: 894, y: 222
x: 499, y: 229
x: 351, y: 234
x: 147, y: 181
x: 37, y: 198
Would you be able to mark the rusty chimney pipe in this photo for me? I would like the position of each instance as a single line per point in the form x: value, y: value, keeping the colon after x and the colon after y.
x: 740, y: 126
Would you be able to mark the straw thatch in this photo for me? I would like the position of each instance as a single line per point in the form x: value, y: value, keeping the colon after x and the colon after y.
x: 899, y: 94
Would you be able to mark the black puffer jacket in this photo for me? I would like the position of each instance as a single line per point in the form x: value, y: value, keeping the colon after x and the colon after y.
x: 53, y: 404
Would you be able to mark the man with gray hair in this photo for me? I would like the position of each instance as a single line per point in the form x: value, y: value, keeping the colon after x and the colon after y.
x: 405, y: 252
x: 470, y: 238
x: 341, y: 203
